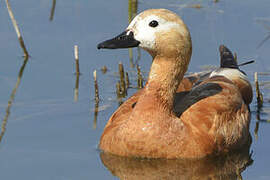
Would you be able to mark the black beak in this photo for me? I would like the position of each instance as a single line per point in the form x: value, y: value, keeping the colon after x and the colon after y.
x: 124, y: 40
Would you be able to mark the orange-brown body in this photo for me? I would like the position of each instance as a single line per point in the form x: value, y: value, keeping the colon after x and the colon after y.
x: 216, y: 124
x: 176, y: 117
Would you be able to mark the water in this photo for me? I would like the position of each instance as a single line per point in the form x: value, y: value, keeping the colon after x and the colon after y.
x: 49, y: 136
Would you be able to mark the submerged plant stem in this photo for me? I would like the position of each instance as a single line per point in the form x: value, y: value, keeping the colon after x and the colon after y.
x: 76, y: 90
x: 11, y: 99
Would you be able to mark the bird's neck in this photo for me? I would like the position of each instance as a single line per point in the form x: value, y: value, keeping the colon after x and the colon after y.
x: 164, y: 78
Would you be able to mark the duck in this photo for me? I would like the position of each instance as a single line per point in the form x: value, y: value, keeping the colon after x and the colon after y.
x: 177, y: 116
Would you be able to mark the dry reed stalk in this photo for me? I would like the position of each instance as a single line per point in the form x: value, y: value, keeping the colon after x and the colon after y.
x: 76, y: 55
x: 235, y: 57
x: 127, y: 80
x: 256, y: 130
x: 130, y: 52
x: 52, y: 10
x: 76, y: 90
x: 258, y: 92
x: 15, y: 25
x: 118, y: 89
x: 96, y: 86
x: 96, y: 100
x: 140, y: 79
x: 122, y: 78
x: 95, y: 114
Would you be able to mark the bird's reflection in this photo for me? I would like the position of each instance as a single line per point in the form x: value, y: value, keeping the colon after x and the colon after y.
x: 229, y: 166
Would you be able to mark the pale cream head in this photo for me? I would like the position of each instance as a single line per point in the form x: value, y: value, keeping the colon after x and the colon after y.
x: 167, y: 36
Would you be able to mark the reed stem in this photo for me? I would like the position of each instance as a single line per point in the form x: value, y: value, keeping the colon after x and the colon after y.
x: 122, y: 79
x: 258, y: 92
x: 96, y: 100
x: 235, y: 57
x: 118, y: 89
x: 15, y: 25
x: 96, y: 86
x: 127, y: 80
x: 95, y: 114
x: 140, y: 78
x: 52, y: 10
x: 76, y: 55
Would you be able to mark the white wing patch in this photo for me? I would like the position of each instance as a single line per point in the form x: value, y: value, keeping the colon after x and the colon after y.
x: 229, y: 73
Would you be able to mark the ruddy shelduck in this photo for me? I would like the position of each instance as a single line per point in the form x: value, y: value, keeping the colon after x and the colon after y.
x: 175, y: 116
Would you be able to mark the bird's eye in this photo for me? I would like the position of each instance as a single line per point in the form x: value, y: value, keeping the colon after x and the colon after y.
x: 153, y: 23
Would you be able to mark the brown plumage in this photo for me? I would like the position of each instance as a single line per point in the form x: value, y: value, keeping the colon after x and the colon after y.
x: 172, y: 116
